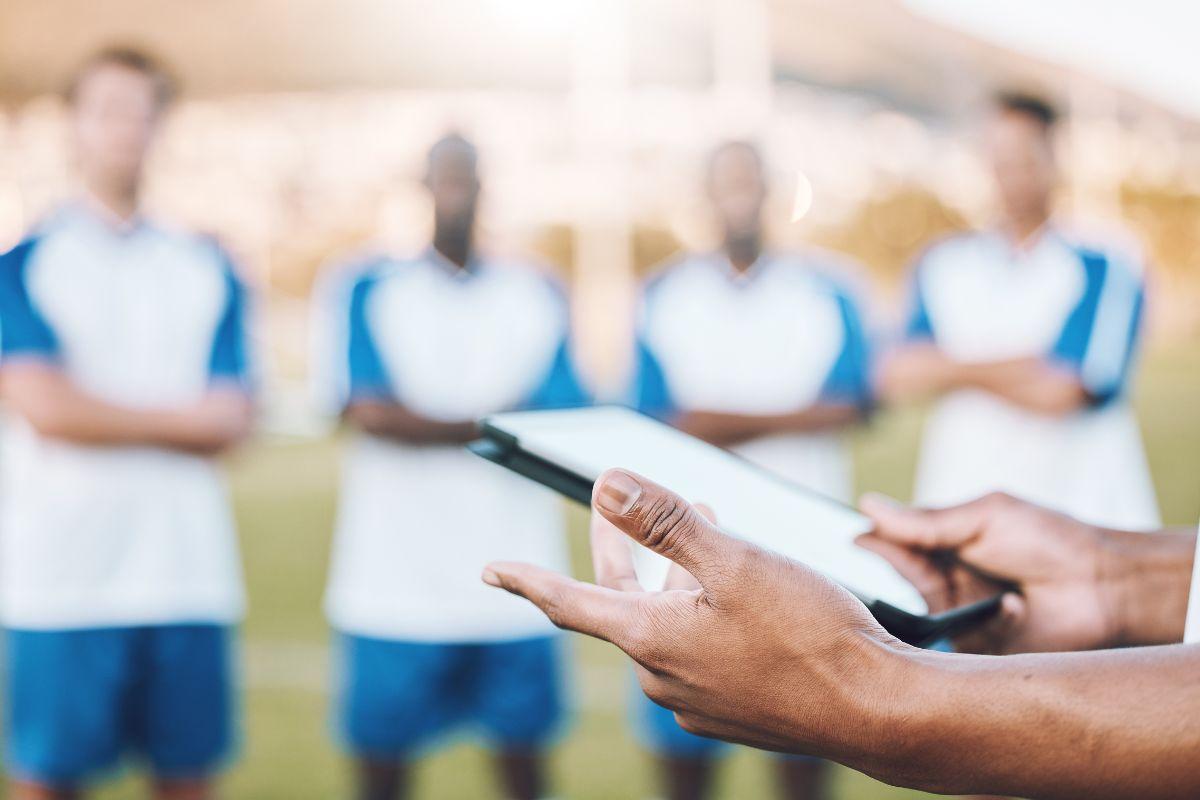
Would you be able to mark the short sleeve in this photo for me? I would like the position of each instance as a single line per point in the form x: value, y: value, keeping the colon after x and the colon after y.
x: 229, y: 361
x: 648, y: 390
x: 24, y: 332
x: 561, y: 387
x: 365, y: 370
x: 1099, y: 339
x: 917, y: 326
x: 849, y: 379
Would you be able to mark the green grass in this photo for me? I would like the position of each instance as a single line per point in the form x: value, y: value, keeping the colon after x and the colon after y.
x: 285, y: 492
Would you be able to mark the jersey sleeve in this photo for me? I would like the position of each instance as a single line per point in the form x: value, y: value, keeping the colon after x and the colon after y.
x: 24, y: 332
x: 648, y: 391
x: 561, y: 386
x: 366, y: 375
x: 849, y: 379
x: 1099, y: 339
x: 229, y: 361
x: 918, y: 326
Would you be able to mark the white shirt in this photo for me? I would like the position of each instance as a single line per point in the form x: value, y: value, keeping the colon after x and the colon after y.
x: 416, y: 524
x: 93, y: 536
x: 777, y: 338
x: 980, y: 300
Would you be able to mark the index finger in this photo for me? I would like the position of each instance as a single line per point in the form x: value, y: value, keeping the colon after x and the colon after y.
x: 570, y: 604
x: 927, y: 529
x: 612, y: 556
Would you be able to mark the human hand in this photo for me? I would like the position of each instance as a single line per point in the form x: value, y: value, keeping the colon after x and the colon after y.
x: 764, y: 651
x: 1049, y: 566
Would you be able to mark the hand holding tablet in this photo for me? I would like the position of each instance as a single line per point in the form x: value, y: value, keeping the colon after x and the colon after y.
x: 568, y: 450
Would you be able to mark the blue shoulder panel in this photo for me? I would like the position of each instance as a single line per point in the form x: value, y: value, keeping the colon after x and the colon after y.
x: 23, y: 330
x: 368, y: 375
x: 649, y: 392
x: 1099, y: 338
x: 918, y: 325
x: 561, y: 388
x: 849, y: 380
x: 229, y: 359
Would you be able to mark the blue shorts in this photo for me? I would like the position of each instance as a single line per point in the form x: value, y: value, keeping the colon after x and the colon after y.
x: 398, y: 697
x: 78, y: 701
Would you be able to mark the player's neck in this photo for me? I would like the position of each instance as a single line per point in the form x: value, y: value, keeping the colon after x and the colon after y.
x: 456, y: 249
x: 118, y: 202
x: 1023, y: 231
x: 743, y: 253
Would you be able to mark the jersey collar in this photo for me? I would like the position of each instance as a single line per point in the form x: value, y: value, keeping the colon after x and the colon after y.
x: 743, y: 278
x: 472, y: 268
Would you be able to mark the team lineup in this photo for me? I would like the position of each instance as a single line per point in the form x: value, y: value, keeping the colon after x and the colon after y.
x: 126, y: 366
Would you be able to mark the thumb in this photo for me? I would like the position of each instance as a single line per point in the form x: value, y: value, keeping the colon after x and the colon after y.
x: 926, y: 529
x: 664, y: 522
x: 568, y: 603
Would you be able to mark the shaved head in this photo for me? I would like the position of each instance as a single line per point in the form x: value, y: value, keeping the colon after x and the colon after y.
x: 452, y: 178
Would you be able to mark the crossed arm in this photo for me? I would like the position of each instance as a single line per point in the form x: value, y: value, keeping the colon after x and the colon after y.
x: 766, y: 652
x: 724, y: 428
x: 392, y: 420
x: 1031, y: 383
x: 57, y: 408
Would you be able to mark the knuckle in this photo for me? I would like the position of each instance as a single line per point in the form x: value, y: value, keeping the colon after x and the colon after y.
x: 665, y: 521
x: 638, y: 635
x: 554, y: 605
x: 997, y: 501
x: 647, y: 643
x: 657, y: 691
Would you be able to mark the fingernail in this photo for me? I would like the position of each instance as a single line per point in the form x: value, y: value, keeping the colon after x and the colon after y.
x: 491, y: 578
x: 618, y: 493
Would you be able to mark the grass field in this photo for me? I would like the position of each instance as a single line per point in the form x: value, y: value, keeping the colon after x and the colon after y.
x: 285, y: 492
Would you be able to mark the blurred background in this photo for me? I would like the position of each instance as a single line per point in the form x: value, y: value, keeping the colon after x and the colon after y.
x: 300, y: 137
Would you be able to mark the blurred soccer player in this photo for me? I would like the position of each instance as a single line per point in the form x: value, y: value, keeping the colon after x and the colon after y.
x: 123, y: 371
x: 1026, y: 338
x: 430, y: 344
x: 762, y: 352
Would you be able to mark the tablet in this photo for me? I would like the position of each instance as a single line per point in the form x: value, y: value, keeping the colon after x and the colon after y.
x: 567, y: 450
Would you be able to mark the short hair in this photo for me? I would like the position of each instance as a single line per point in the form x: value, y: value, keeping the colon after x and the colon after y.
x: 130, y: 58
x: 455, y: 143
x: 1029, y: 105
x: 731, y: 145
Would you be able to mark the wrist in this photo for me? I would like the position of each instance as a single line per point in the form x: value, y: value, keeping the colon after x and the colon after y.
x: 1145, y: 579
x: 890, y: 703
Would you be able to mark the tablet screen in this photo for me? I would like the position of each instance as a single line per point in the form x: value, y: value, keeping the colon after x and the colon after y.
x: 749, y: 502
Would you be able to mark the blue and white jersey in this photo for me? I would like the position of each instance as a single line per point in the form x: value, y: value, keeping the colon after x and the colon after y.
x: 95, y: 536
x: 781, y: 337
x: 1078, y: 308
x: 416, y: 524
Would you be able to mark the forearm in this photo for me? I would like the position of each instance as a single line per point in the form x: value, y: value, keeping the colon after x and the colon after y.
x: 394, y: 421
x: 726, y: 429
x: 1149, y: 577
x: 58, y: 409
x: 1029, y: 383
x: 1118, y: 723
